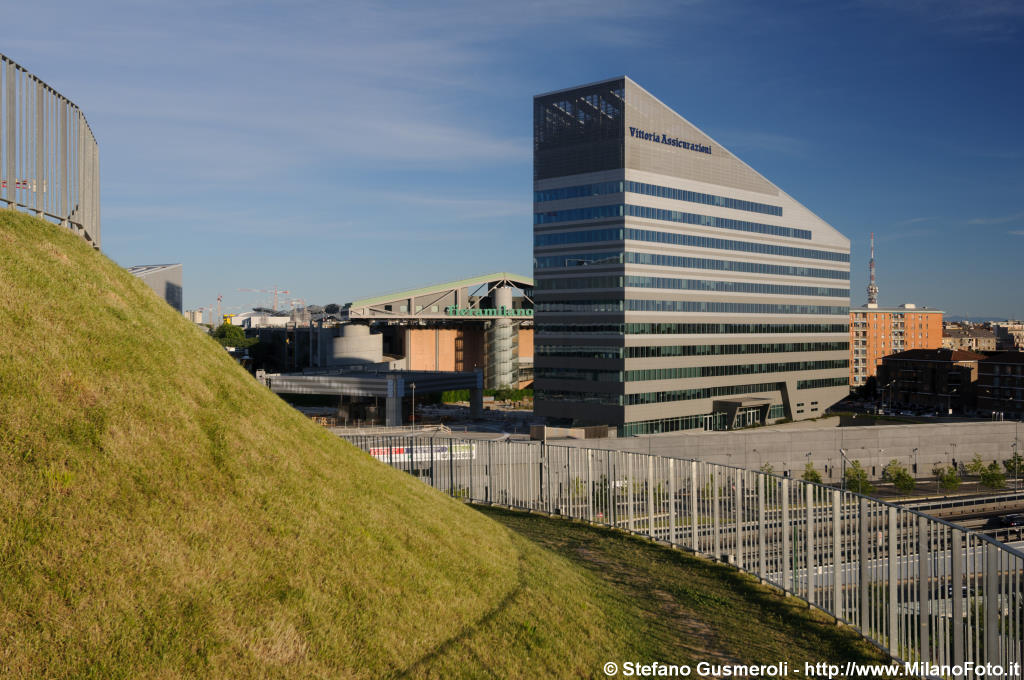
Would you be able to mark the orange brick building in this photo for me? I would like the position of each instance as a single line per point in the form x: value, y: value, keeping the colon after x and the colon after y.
x: 876, y: 332
x: 461, y: 349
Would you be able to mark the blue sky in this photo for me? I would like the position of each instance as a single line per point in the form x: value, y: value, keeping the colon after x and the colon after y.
x: 345, y: 149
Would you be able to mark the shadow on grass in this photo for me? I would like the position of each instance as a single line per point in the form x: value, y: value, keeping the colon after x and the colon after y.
x: 416, y: 668
x: 694, y: 607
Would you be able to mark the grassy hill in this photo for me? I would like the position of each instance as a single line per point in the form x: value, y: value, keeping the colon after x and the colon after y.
x: 162, y: 515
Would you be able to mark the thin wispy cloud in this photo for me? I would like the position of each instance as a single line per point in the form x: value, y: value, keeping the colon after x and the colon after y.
x: 997, y: 220
x: 912, y: 220
x: 887, y: 237
x: 454, y: 207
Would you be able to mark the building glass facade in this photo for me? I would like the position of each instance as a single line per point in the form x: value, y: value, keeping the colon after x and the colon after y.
x: 676, y: 288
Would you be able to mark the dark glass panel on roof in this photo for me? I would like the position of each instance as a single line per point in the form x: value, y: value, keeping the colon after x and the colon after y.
x: 579, y: 130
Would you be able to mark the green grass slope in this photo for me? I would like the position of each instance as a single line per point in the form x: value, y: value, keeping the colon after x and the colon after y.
x: 162, y: 515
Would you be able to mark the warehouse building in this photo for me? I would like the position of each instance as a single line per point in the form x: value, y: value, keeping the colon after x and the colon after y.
x: 164, y: 279
x: 675, y: 287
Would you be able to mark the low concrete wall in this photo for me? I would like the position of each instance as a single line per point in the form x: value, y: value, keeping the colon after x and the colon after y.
x: 790, y: 450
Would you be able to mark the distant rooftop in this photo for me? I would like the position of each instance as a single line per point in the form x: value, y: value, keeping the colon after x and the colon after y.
x: 143, y: 269
x: 1007, y: 358
x: 906, y: 307
x: 967, y: 333
x: 513, y: 279
x: 940, y: 354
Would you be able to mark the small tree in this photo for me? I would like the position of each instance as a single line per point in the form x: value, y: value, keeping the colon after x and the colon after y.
x: 857, y: 478
x: 232, y: 336
x: 898, y: 475
x: 1014, y: 466
x: 949, y: 480
x: 810, y: 474
x: 892, y: 470
x: 976, y: 466
x: 993, y: 477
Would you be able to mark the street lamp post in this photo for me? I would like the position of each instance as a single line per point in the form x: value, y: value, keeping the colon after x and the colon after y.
x: 842, y: 452
x: 412, y: 386
x: 1016, y: 467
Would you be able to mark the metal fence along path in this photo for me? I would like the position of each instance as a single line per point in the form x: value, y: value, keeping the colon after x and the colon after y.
x: 49, y: 159
x: 921, y: 588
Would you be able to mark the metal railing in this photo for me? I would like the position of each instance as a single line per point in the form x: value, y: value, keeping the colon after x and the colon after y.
x: 924, y: 590
x: 975, y: 502
x: 49, y: 159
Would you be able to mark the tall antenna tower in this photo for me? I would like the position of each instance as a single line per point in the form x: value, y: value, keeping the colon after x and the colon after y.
x: 872, y: 286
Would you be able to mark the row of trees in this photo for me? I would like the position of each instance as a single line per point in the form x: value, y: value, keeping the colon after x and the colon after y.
x: 990, y: 475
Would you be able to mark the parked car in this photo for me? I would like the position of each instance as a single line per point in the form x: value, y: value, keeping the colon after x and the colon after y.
x: 1014, y: 520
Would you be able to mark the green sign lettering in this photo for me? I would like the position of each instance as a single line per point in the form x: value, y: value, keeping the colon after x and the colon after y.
x: 502, y: 311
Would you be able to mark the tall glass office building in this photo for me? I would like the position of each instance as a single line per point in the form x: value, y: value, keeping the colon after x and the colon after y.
x: 675, y: 287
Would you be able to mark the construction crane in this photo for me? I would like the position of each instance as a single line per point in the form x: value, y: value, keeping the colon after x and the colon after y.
x: 275, y: 290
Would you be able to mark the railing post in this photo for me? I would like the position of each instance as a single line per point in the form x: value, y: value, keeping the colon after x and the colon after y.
x: 471, y: 452
x: 787, y: 549
x: 892, y: 563
x: 672, y: 501
x: 810, y: 542
x: 762, y: 547
x: 991, y: 591
x: 569, y: 488
x: 738, y: 508
x: 629, y: 491
x: 508, y: 475
x: 590, y: 485
x: 863, y: 585
x: 837, y: 554
x: 612, y: 491
x: 547, y: 463
x: 717, y: 515
x: 923, y: 608
x: 956, y: 556
x: 540, y: 479
x: 650, y: 496
x: 694, y: 528
x: 412, y: 456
